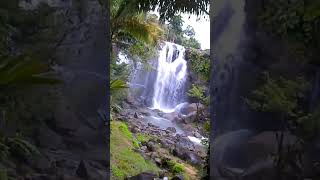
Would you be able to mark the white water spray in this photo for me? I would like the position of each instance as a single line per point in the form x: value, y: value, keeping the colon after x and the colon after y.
x: 171, y: 78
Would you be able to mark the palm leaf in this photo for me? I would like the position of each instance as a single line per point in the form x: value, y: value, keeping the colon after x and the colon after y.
x: 25, y: 71
x: 117, y: 84
x: 18, y: 145
x: 139, y: 27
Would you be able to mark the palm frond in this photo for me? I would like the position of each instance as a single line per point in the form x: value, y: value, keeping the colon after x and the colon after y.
x: 117, y: 84
x: 140, y: 28
x: 22, y: 147
x: 19, y: 70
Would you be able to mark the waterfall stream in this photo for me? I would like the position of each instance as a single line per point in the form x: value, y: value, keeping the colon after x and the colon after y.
x: 171, y: 77
x: 163, y: 88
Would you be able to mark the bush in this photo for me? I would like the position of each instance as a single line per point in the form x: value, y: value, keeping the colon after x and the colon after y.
x: 143, y: 138
x: 175, y: 167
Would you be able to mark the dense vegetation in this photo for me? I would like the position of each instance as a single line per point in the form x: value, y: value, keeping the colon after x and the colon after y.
x: 286, y: 84
x: 138, y: 33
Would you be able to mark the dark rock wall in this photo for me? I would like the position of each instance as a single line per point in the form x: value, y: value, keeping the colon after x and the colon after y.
x: 79, y: 127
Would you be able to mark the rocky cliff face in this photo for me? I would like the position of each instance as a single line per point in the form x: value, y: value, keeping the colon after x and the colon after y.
x: 73, y: 143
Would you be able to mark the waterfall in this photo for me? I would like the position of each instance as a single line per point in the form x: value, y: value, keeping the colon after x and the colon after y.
x: 171, y: 77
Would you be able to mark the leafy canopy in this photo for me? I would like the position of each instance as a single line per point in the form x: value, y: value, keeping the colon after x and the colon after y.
x: 168, y: 8
x: 278, y: 96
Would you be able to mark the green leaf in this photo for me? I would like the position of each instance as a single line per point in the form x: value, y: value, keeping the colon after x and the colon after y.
x: 117, y: 84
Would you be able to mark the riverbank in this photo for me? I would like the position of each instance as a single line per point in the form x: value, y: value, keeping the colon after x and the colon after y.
x: 160, y: 138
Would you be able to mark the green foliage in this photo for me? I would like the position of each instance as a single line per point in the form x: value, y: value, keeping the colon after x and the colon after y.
x: 199, y: 93
x: 117, y: 84
x: 139, y: 28
x: 175, y: 167
x: 137, y: 25
x: 309, y: 124
x: 278, y: 96
x: 175, y: 33
x: 125, y: 130
x: 20, y: 147
x: 117, y: 92
x: 143, y: 138
x: 142, y: 52
x: 175, y: 24
x: 24, y: 70
x: 124, y: 160
x: 295, y: 22
x: 206, y: 126
x: 191, y: 43
x: 168, y: 8
x: 200, y: 63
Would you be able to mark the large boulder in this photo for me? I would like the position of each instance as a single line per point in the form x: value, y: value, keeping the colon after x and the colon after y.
x: 187, y: 155
x: 230, y: 151
x: 265, y: 144
x: 190, y: 108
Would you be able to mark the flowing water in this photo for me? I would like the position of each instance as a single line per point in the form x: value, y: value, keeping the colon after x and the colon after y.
x: 171, y: 77
x: 163, y: 88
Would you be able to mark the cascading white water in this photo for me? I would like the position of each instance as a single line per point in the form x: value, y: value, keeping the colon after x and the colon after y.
x: 171, y: 78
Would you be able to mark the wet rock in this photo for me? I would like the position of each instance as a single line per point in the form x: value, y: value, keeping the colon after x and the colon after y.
x: 166, y: 143
x: 145, y: 112
x: 185, y: 143
x: 130, y: 100
x: 171, y: 129
x: 190, y: 108
x: 135, y: 129
x: 191, y: 117
x: 158, y: 161
x: 170, y: 116
x: 154, y: 155
x: 144, y: 148
x: 161, y: 114
x: 124, y: 106
x: 187, y: 155
x: 197, y: 135
x: 151, y: 146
